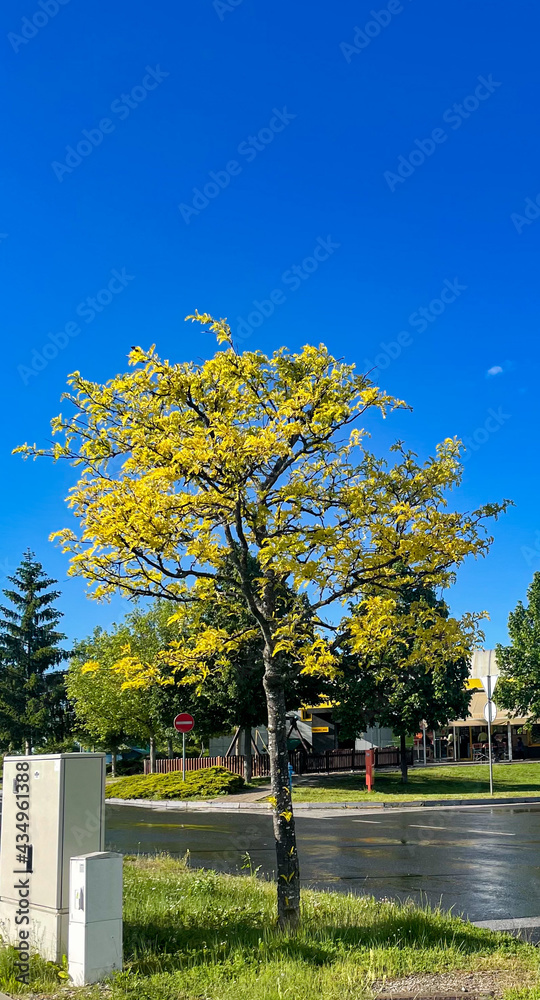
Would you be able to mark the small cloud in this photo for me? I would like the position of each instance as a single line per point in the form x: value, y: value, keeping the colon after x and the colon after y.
x: 502, y: 369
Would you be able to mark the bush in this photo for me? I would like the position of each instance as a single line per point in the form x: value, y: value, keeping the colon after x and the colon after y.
x: 129, y: 767
x: 202, y: 784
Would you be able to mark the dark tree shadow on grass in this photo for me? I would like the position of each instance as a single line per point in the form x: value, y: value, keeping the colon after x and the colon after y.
x: 165, y: 945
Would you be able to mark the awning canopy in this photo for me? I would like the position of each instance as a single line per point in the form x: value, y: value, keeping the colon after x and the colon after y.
x: 476, y: 713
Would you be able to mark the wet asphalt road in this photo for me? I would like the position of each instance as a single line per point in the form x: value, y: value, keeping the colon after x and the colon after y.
x: 481, y: 862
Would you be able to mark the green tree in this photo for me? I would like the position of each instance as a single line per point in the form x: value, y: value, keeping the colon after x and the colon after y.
x: 518, y: 687
x: 245, y: 454
x: 405, y: 684
x: 33, y: 704
x: 230, y: 687
x: 114, y: 701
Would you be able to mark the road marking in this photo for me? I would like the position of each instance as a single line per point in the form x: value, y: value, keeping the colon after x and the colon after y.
x: 423, y: 826
x: 489, y: 833
x: 456, y: 830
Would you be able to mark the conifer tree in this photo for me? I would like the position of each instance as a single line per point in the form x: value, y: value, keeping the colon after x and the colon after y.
x: 32, y: 695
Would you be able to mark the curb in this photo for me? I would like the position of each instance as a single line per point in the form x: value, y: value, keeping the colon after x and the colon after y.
x: 510, y: 924
x: 213, y: 805
x: 186, y: 805
x: 416, y: 803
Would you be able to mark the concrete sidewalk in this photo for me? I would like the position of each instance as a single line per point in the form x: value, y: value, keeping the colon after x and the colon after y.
x: 527, y: 928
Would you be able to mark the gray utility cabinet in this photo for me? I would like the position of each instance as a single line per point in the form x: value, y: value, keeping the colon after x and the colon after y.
x: 62, y: 815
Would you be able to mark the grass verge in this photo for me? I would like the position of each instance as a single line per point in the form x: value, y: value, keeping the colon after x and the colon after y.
x: 470, y: 781
x: 197, y: 934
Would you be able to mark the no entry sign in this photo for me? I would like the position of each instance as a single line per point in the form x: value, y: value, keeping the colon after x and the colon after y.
x: 184, y: 722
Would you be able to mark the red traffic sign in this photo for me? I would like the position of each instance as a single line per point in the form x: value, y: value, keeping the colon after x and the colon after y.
x: 184, y: 722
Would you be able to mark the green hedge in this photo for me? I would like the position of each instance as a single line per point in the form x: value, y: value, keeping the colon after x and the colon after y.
x: 202, y: 784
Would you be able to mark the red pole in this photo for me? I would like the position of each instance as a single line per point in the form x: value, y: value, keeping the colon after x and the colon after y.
x: 369, y: 770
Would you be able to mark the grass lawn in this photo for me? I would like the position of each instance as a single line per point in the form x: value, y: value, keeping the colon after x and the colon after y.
x: 468, y: 781
x: 197, y: 935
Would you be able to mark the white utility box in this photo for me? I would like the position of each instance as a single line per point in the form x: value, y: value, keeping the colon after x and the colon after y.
x: 53, y: 808
x: 95, y: 917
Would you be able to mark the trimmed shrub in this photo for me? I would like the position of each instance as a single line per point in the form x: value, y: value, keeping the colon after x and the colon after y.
x: 202, y: 784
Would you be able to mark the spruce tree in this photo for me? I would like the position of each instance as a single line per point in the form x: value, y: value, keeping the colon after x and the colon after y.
x: 32, y: 695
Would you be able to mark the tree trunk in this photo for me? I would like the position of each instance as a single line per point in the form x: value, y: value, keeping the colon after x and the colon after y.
x: 247, y: 754
x: 403, y: 755
x: 113, y: 764
x: 170, y: 751
x: 152, y: 755
x: 288, y: 872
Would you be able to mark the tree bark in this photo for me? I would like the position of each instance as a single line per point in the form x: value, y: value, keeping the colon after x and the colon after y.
x: 403, y: 755
x: 247, y: 754
x: 288, y: 872
x: 113, y: 764
x: 152, y: 755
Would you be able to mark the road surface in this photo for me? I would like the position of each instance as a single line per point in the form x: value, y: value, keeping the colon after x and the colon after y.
x: 482, y: 862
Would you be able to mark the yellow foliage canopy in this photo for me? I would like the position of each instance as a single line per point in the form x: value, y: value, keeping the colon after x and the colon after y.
x: 186, y: 469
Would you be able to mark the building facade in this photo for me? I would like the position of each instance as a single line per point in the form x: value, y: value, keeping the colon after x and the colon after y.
x: 314, y: 727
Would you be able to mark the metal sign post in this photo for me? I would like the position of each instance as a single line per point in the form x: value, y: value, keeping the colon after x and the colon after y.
x: 490, y: 713
x: 490, y: 748
x: 184, y: 723
x: 424, y: 727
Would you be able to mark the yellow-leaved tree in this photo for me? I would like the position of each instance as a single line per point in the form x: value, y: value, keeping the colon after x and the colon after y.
x: 245, y: 457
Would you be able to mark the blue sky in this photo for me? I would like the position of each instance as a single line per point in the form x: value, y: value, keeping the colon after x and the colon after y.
x: 398, y: 140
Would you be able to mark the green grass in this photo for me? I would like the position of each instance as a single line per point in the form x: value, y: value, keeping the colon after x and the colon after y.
x: 528, y: 993
x: 204, y: 784
x: 470, y: 781
x: 198, y: 935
